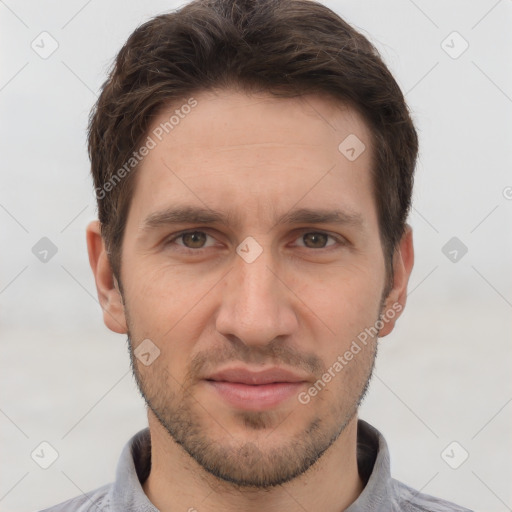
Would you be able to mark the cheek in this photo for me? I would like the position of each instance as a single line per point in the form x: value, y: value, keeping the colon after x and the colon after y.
x: 161, y: 295
x: 345, y: 301
x: 167, y: 306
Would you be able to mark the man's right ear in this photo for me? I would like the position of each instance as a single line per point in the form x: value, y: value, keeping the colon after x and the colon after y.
x: 106, y: 284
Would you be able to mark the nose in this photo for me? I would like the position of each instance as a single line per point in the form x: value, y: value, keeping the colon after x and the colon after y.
x: 257, y: 304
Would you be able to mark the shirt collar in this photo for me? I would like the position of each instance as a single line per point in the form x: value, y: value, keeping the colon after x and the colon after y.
x: 127, y: 495
x: 374, y: 469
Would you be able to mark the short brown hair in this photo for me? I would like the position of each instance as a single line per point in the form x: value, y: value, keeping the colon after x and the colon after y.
x: 287, y: 48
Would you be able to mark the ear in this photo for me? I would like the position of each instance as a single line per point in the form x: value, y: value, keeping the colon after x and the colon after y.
x: 110, y: 298
x: 403, y: 261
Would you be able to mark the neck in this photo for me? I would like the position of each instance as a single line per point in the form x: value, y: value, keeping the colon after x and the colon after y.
x: 178, y: 482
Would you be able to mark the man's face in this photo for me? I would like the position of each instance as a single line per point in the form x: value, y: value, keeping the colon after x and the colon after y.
x: 257, y: 289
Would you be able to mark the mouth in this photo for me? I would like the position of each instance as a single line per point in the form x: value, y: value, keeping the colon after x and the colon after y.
x: 256, y: 390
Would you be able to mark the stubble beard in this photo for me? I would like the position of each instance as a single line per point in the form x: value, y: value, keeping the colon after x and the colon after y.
x: 244, y: 463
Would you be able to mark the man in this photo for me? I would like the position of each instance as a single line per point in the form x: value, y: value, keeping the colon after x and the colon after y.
x: 253, y: 163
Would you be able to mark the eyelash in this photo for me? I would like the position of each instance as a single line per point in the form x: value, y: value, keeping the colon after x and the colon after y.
x: 340, y: 241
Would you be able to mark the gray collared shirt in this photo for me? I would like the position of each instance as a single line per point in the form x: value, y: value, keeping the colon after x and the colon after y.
x: 381, y: 493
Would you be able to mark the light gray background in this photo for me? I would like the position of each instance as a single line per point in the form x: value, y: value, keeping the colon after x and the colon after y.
x: 443, y: 375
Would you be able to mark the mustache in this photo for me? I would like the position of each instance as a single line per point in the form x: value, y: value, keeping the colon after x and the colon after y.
x: 275, y: 353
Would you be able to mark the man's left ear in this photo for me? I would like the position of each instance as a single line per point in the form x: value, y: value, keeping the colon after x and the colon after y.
x: 403, y: 261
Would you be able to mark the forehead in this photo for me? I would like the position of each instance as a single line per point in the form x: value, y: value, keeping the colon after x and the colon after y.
x: 255, y: 153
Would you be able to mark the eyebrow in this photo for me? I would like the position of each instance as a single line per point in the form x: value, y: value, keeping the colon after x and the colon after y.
x: 198, y: 215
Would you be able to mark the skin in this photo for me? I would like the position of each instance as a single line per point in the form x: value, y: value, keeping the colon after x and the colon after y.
x: 299, y: 304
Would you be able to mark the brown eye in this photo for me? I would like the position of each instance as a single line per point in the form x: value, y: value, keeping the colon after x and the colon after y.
x: 194, y: 239
x: 315, y: 240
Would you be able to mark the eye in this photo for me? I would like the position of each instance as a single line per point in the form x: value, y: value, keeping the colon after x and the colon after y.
x: 193, y: 240
x: 318, y: 240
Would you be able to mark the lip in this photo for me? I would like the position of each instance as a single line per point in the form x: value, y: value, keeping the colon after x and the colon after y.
x: 243, y: 375
x: 255, y: 390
